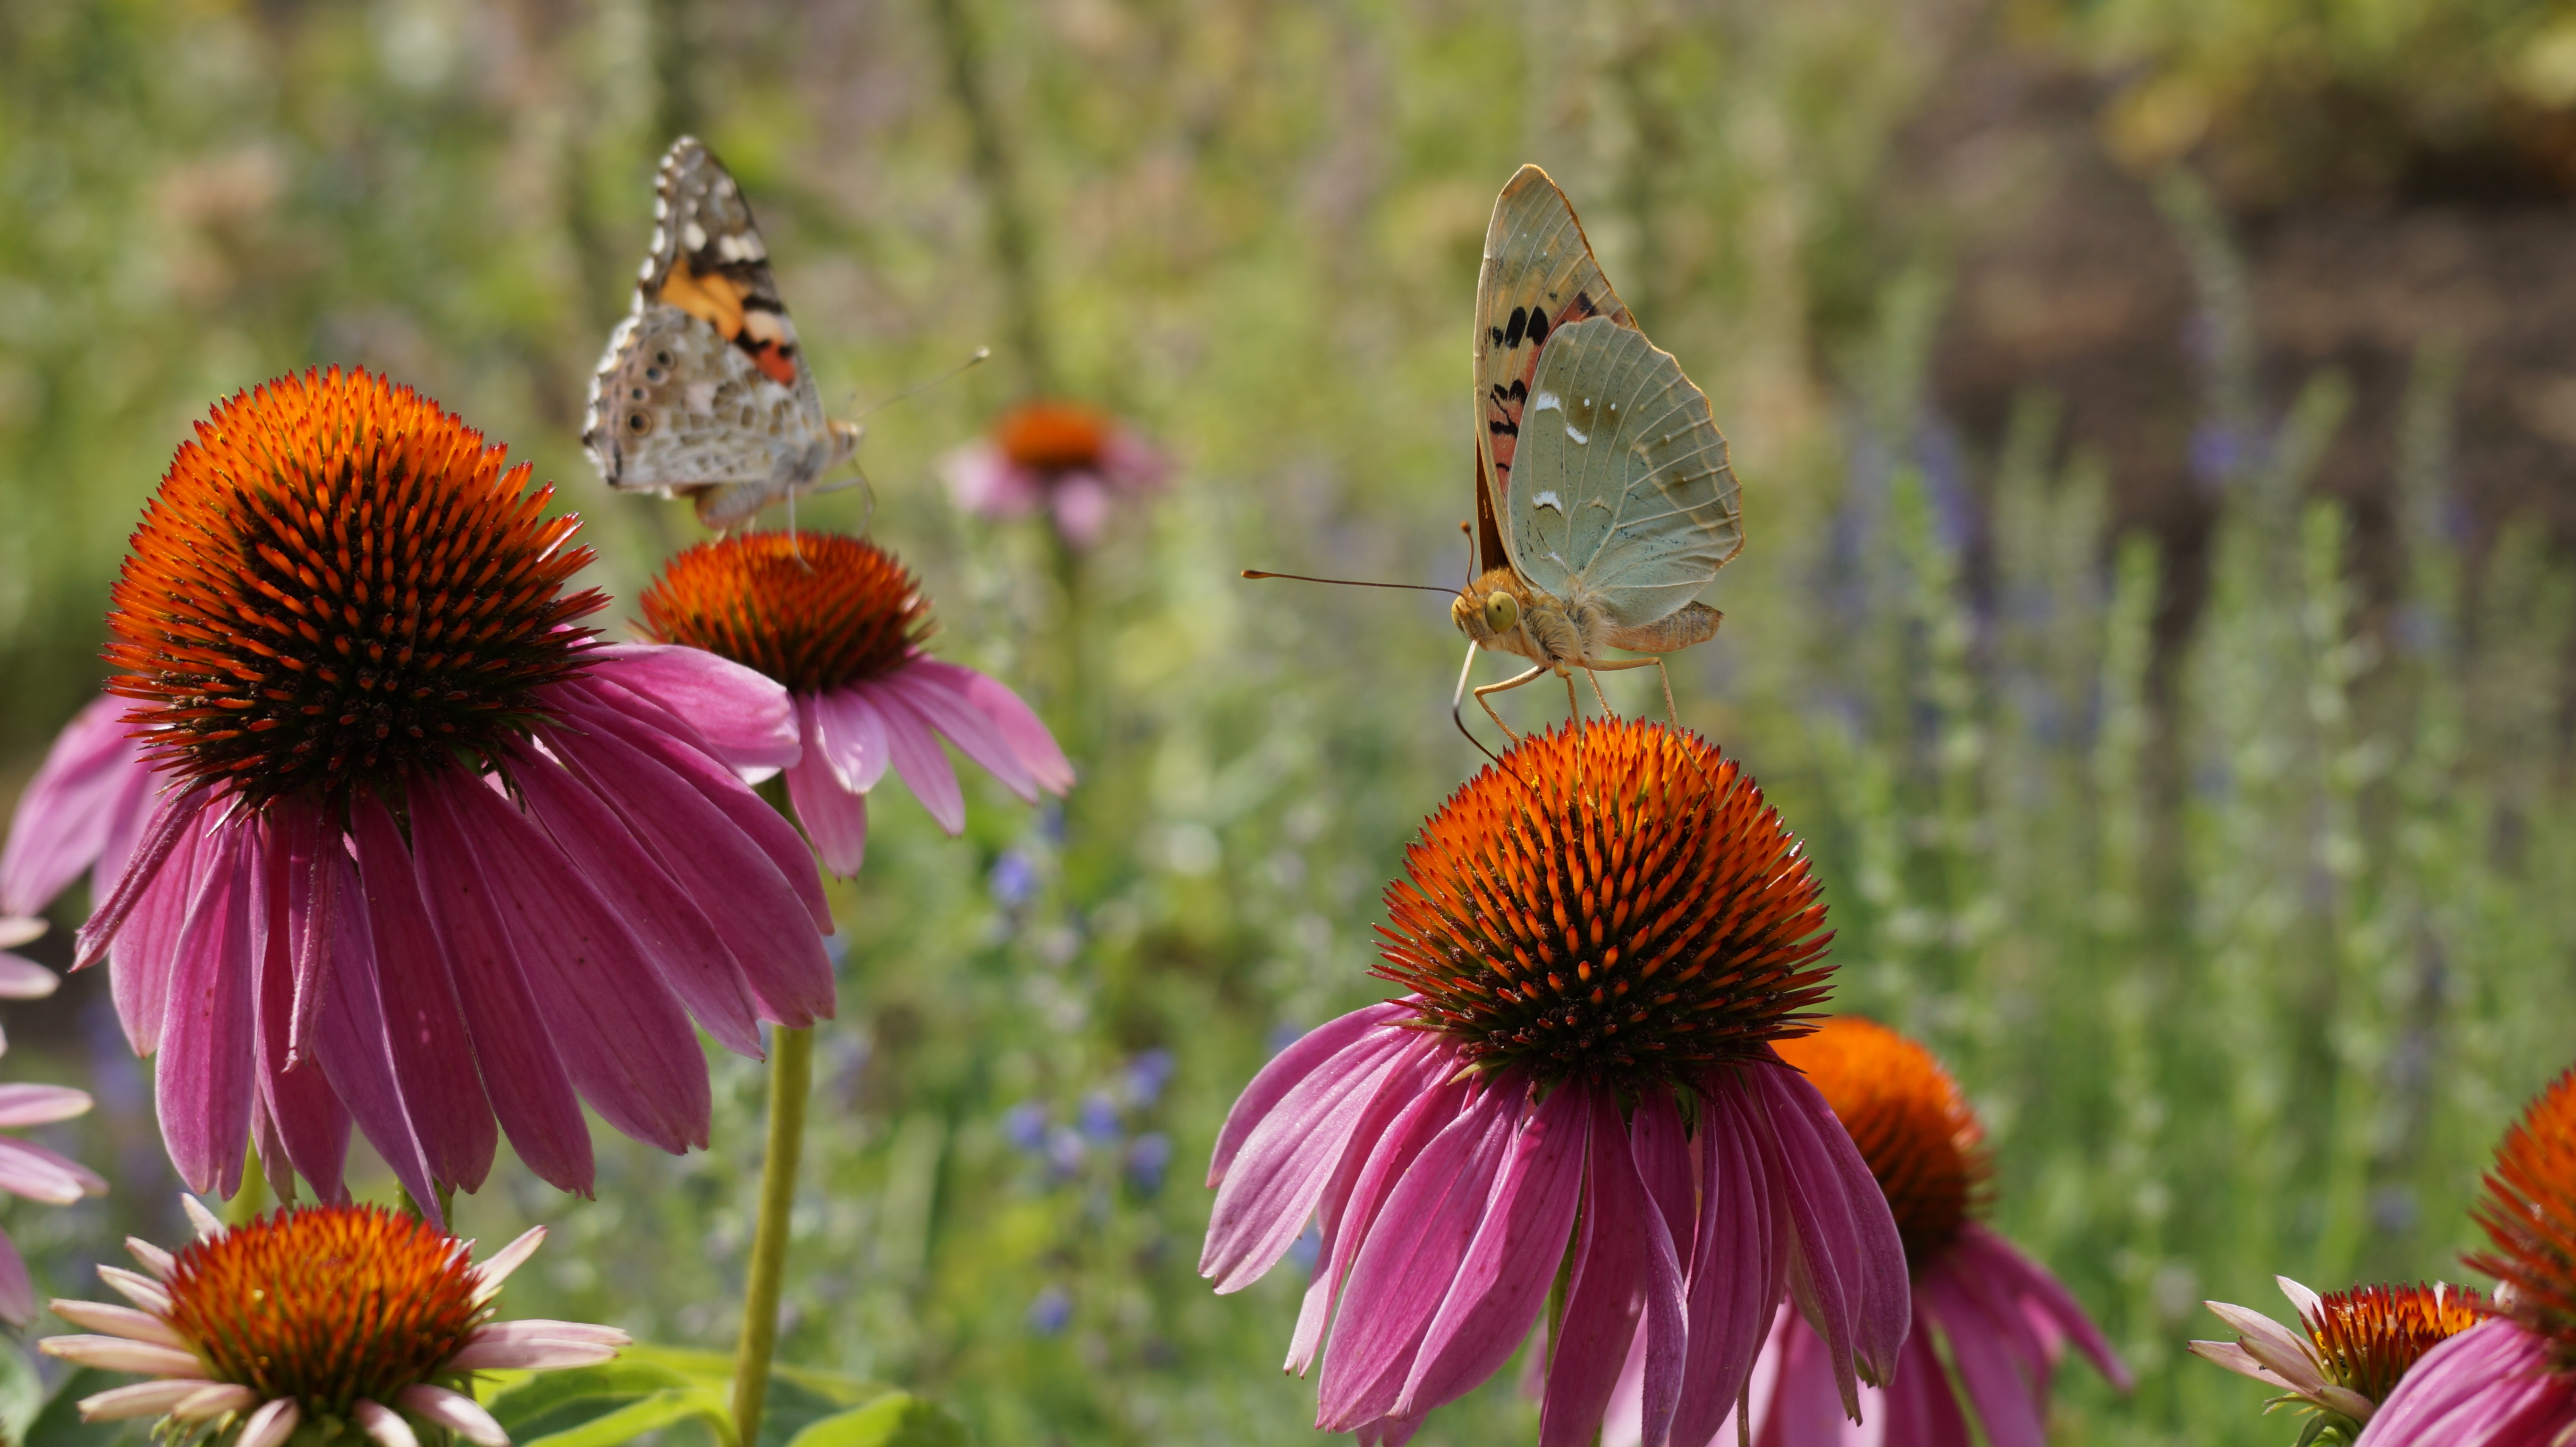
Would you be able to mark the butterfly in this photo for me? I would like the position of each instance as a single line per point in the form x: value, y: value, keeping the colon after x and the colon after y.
x: 703, y: 392
x: 1604, y: 503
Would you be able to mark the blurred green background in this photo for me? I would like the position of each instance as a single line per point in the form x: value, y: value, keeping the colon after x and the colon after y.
x: 2155, y: 420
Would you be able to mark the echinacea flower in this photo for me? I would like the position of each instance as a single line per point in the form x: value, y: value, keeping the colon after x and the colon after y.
x: 839, y: 623
x: 1072, y: 460
x: 83, y: 810
x: 353, y: 1318
x: 1998, y: 1317
x: 1600, y: 938
x: 2509, y: 1381
x: 2352, y: 1349
x: 30, y: 1170
x: 425, y: 853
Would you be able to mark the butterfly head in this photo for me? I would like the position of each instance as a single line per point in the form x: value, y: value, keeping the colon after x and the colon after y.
x: 1489, y: 609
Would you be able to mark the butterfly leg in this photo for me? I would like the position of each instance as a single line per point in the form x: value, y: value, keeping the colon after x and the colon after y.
x: 1656, y: 663
x: 1509, y: 683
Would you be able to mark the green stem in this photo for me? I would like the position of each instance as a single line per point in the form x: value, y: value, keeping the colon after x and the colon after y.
x: 995, y: 174
x: 791, y: 1073
x: 252, y: 1198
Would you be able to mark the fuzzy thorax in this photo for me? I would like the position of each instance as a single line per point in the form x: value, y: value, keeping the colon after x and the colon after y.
x: 1501, y: 612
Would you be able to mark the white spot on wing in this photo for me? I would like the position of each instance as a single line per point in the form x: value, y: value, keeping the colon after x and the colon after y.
x: 694, y: 237
x: 1545, y: 400
x: 1548, y: 499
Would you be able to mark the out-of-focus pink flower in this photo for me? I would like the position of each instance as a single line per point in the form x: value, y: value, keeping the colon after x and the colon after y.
x: 84, y: 808
x: 840, y: 624
x: 1601, y: 937
x: 38, y: 1174
x: 2510, y: 1382
x: 1072, y: 460
x: 2003, y: 1320
x: 357, y: 1314
x: 424, y: 855
x: 2353, y: 1348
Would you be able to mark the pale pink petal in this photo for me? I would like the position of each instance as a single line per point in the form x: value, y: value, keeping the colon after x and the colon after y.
x: 213, y: 1400
x: 204, y: 1080
x: 983, y: 480
x: 1290, y: 1066
x: 1739, y: 1258
x: 2288, y: 1355
x: 1846, y: 1263
x: 353, y: 1041
x: 1131, y: 464
x: 24, y: 1105
x: 1019, y: 724
x: 918, y: 760
x: 119, y: 1321
x: 739, y: 710
x: 1283, y: 1168
x: 2235, y: 1358
x: 432, y: 1049
x: 539, y: 1346
x: 1410, y: 1258
x: 207, y: 1225
x: 23, y: 979
x: 154, y: 1259
x: 135, y: 1287
x: 67, y: 810
x: 383, y: 1424
x: 458, y: 1414
x: 146, y: 952
x: 497, y: 1268
x: 17, y: 1293
x: 1080, y: 503
x: 116, y: 1354
x: 1626, y: 1270
x: 935, y: 704
x: 18, y: 929
x: 834, y: 814
x: 143, y: 1399
x: 1420, y: 1094
x: 851, y: 734
x: 271, y: 1424
x: 38, y: 1174
x: 1508, y: 1268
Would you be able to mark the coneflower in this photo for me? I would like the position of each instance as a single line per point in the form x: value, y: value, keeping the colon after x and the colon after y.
x: 426, y: 854
x: 1600, y: 938
x: 2352, y: 1349
x: 1073, y: 461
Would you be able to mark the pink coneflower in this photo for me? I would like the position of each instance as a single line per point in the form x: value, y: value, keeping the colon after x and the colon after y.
x: 1072, y: 460
x: 82, y: 810
x: 345, y: 1318
x: 2511, y: 1381
x: 425, y: 854
x: 2357, y: 1345
x: 2001, y: 1319
x: 36, y: 1173
x: 1601, y: 938
x: 839, y: 622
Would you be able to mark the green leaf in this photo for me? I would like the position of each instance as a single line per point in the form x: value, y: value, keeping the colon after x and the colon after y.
x: 542, y: 1405
x: 59, y: 1424
x: 897, y: 1419
x: 646, y: 1414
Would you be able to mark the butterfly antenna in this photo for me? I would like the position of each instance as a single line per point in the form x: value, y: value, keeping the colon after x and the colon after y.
x: 1348, y: 582
x: 917, y: 388
x: 1467, y: 530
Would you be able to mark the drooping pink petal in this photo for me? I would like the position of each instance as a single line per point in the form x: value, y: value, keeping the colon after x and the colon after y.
x: 1272, y: 1083
x: 1418, y: 1095
x: 734, y: 881
x: 311, y: 1124
x: 432, y: 1049
x: 1847, y: 1264
x: 66, y: 811
x: 623, y: 1038
x: 1739, y: 1259
x: 1806, y: 1405
x: 2490, y: 1386
x: 1410, y: 1257
x: 1283, y: 1168
x: 173, y: 813
x: 354, y: 1045
x: 2005, y: 1378
x: 24, y: 1105
x: 835, y: 815
x: 935, y: 705
x: 32, y: 1171
x: 17, y: 1293
x: 851, y: 734
x: 147, y: 949
x: 204, y: 1080
x: 1626, y: 1268
x: 129, y: 807
x: 914, y: 747
x: 523, y: 1074
x: 1991, y: 1258
x: 678, y: 939
x: 738, y: 710
x: 1508, y: 1268
x: 1019, y: 724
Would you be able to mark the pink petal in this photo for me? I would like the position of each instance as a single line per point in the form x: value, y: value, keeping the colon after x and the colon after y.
x: 128, y: 809
x: 354, y: 1045
x: 733, y: 880
x: 539, y: 1346
x: 146, y: 951
x: 456, y: 1413
x: 1418, y: 1095
x: 835, y: 815
x: 1625, y: 1265
x: 383, y: 1424
x: 739, y: 710
x: 271, y: 1425
x: 1509, y: 1266
x: 1411, y: 1257
x: 678, y: 939
x: 211, y: 1399
x: 111, y: 1320
x: 30, y: 1170
x: 25, y: 1105
x: 1847, y: 1265
x: 312, y: 1126
x: 143, y: 1399
x: 432, y: 1051
x: 1131, y: 464
x: 2008, y: 1387
x: 1286, y: 1069
x: 173, y: 812
x: 1739, y: 1259
x: 851, y: 734
x: 67, y: 810
x: 17, y: 1293
x: 1993, y: 1258
x: 23, y: 979
x: 116, y: 1354
x: 1919, y: 1402
x: 523, y: 1074
x: 1266, y: 1199
x: 1020, y: 725
x: 2490, y: 1386
x: 205, y: 1079
x: 982, y: 479
x: 624, y: 1040
x: 1806, y: 1405
x: 917, y: 758
x: 936, y: 705
x: 1081, y: 507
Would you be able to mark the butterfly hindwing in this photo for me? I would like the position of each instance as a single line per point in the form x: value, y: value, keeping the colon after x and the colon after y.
x: 1623, y: 492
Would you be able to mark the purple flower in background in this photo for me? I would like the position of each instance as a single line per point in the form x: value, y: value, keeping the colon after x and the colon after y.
x: 37, y: 1174
x: 1025, y: 1126
x: 1051, y: 1312
x: 83, y: 810
x: 1147, y: 1074
x: 1148, y: 1156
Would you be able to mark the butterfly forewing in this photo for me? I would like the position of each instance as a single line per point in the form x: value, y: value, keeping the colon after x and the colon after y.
x: 1538, y: 276
x: 1622, y: 492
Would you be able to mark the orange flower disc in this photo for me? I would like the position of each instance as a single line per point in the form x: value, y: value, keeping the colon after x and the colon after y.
x: 2367, y: 1337
x: 1053, y: 436
x: 1613, y: 900
x: 2529, y: 1212
x: 1910, y: 1121
x: 814, y: 611
x: 337, y: 582
x: 327, y: 1304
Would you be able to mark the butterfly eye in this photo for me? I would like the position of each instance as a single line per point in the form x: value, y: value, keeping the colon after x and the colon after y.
x: 1502, y: 611
x: 662, y: 358
x: 639, y: 423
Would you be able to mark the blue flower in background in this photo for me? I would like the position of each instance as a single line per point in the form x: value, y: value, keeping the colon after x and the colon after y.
x: 1099, y: 1118
x: 1014, y: 880
x: 1025, y: 1125
x: 1064, y: 1151
x: 1148, y: 1156
x: 1147, y: 1074
x: 1303, y: 1251
x: 1050, y: 1312
x: 1283, y: 1035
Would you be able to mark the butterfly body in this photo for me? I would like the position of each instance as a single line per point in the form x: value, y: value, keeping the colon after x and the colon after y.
x: 1604, y: 502
x: 704, y: 391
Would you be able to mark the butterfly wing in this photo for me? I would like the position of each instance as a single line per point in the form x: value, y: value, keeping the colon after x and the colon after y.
x: 1538, y: 276
x: 704, y: 385
x: 1622, y: 492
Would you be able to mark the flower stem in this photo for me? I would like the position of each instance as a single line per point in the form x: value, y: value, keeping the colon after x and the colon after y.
x: 252, y: 1198
x: 791, y: 1074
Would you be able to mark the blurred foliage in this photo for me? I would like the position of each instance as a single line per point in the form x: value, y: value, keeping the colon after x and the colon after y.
x: 2246, y: 966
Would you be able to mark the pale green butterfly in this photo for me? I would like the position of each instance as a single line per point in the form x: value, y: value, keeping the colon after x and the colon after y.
x: 1604, y: 503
